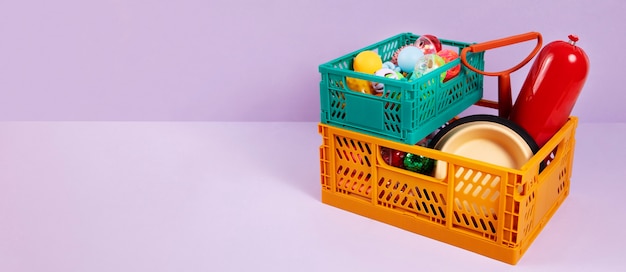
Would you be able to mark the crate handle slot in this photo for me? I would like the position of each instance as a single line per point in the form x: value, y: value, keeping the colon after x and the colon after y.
x: 505, y: 102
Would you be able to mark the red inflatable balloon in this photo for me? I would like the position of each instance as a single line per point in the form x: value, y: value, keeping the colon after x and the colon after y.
x: 551, y: 89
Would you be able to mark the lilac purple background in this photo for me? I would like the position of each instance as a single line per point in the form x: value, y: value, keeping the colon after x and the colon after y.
x: 257, y: 60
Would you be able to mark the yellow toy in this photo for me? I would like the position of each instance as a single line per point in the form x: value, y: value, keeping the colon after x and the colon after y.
x: 367, y: 62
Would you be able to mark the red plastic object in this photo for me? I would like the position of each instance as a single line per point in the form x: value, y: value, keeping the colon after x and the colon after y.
x: 551, y: 89
x: 505, y: 102
x: 393, y: 157
x: 435, y: 41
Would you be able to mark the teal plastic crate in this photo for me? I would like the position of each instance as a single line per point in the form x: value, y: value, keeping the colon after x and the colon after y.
x: 408, y: 110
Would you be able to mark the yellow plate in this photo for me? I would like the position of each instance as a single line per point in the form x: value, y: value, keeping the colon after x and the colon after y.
x: 486, y: 138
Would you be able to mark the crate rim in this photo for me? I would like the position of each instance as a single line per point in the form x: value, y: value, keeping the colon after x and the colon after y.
x: 328, y: 64
x: 530, y: 165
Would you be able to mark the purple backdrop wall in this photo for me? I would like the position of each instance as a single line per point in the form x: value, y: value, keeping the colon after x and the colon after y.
x: 241, y: 60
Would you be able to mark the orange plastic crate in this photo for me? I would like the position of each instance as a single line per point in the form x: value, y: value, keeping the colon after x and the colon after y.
x: 491, y: 210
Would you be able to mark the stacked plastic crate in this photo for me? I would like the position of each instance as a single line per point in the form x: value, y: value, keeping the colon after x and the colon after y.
x: 487, y: 209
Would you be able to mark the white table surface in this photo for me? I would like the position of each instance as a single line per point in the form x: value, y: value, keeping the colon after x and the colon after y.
x: 194, y: 196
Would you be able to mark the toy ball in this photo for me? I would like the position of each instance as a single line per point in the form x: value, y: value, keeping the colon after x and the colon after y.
x: 449, y: 55
x: 394, y: 57
x: 393, y: 157
x: 391, y: 65
x: 429, y: 44
x: 388, y: 73
x: 408, y: 57
x: 367, y: 62
x: 418, y: 163
x: 427, y: 64
x: 360, y: 85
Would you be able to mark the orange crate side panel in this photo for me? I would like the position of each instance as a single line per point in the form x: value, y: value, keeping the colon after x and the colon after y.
x: 552, y: 188
x: 539, y: 196
x: 325, y: 163
x: 411, y: 194
x: 349, y: 165
x: 477, y: 196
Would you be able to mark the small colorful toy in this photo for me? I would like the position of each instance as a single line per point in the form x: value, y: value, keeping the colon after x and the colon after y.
x: 360, y: 85
x: 408, y: 57
x: 428, y: 43
x: 448, y: 56
x: 428, y: 63
x: 367, y: 62
x: 391, y: 65
x: 394, y: 58
x: 388, y: 73
x: 418, y: 163
x: 393, y: 157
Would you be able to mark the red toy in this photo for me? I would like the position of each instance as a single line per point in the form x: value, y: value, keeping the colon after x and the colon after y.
x: 551, y: 89
x: 393, y: 157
